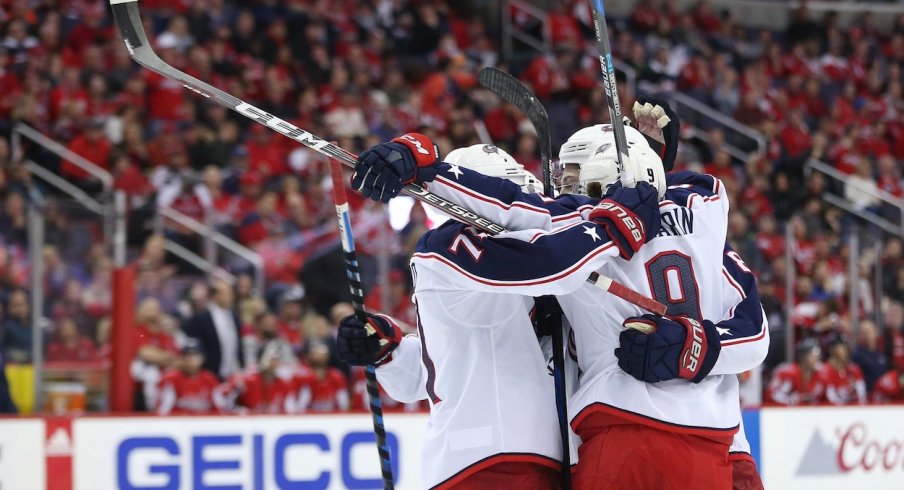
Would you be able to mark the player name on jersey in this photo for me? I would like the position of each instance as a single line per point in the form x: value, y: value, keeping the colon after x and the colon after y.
x: 676, y: 221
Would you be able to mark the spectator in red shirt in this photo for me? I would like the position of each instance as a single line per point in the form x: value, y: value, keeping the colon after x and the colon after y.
x: 156, y: 351
x: 843, y: 379
x: 720, y: 167
x: 69, y: 96
x: 189, y: 389
x: 319, y: 387
x: 291, y: 315
x: 548, y: 74
x: 263, y: 391
x: 705, y: 19
x: 769, y: 242
x: 69, y: 346
x: 795, y: 137
x: 646, y: 16
x: 93, y: 146
x: 564, y: 28
x: 889, y: 176
x: 798, y: 383
x: 268, y: 157
x: 889, y: 388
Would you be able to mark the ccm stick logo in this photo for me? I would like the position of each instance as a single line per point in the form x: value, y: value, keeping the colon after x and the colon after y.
x: 281, y: 126
x: 692, y: 356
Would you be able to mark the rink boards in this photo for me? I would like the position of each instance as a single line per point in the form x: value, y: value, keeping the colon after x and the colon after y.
x: 824, y: 448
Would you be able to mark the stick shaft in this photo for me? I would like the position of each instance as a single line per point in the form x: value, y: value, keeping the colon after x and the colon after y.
x: 511, y: 90
x: 357, y: 293
x: 609, y: 83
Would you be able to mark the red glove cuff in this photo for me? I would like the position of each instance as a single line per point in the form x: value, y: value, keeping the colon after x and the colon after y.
x: 695, y: 348
x: 425, y: 152
x: 393, y: 340
x: 627, y: 224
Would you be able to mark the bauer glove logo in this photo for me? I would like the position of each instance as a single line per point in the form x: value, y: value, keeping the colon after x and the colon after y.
x: 692, y: 355
x: 635, y: 227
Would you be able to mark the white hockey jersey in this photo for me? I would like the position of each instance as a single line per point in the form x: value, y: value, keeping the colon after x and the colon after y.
x: 689, y: 267
x: 480, y: 365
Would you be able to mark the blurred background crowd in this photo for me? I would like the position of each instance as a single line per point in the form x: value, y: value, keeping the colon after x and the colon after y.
x: 361, y: 72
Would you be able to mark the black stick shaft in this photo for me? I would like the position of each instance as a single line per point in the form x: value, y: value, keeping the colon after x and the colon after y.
x: 615, y: 115
x: 357, y: 292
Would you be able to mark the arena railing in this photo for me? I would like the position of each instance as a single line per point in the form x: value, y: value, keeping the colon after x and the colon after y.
x: 212, y: 239
x: 741, y: 141
x: 775, y: 14
x: 839, y: 180
x: 511, y: 31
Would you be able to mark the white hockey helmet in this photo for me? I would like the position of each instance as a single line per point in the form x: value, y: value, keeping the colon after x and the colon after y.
x: 495, y: 162
x: 577, y: 149
x: 601, y: 169
x: 583, y: 143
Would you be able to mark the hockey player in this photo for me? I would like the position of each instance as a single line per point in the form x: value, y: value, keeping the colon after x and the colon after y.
x: 493, y: 418
x: 190, y: 389
x: 843, y: 379
x: 696, y: 352
x: 798, y: 383
x: 319, y: 387
x: 889, y: 388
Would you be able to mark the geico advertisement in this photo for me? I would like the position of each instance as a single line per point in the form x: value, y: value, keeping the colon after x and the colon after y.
x: 833, y: 448
x: 254, y: 453
x: 22, y: 454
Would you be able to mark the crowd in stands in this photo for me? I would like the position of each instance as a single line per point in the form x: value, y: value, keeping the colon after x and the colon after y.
x: 364, y: 71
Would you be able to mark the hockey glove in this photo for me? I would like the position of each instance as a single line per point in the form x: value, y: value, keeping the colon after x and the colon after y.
x: 630, y: 216
x: 653, y: 116
x: 365, y: 344
x: 654, y: 349
x: 382, y: 171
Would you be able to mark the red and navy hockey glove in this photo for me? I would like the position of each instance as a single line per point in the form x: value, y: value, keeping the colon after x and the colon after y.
x: 654, y: 348
x: 373, y: 343
x: 670, y: 126
x: 630, y: 216
x: 382, y: 171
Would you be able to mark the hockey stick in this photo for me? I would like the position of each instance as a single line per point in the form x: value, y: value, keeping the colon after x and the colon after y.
x: 128, y: 21
x: 615, y: 115
x: 511, y: 90
x: 357, y: 292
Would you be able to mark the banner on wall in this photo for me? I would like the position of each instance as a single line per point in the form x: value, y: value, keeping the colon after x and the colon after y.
x: 833, y: 448
x: 252, y: 452
x: 22, y: 454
